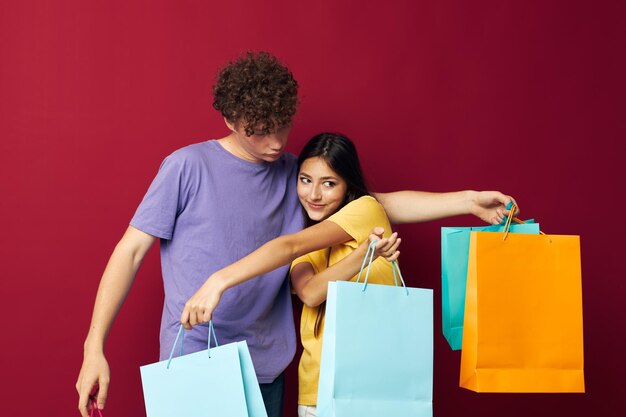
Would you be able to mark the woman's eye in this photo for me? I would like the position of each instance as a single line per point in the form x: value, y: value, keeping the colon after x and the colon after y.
x: 328, y: 184
x: 305, y: 180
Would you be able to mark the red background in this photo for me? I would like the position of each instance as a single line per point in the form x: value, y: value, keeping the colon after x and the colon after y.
x: 523, y: 97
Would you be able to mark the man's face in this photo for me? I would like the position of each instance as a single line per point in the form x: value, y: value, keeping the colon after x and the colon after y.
x: 260, y: 147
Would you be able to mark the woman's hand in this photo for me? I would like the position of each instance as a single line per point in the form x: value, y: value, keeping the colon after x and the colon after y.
x: 385, y: 247
x: 199, y: 308
x: 490, y: 206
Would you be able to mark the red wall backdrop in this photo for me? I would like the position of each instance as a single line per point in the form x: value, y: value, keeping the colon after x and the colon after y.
x: 524, y: 97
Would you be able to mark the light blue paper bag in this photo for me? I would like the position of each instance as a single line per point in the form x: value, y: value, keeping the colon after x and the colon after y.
x: 454, y: 256
x: 377, y: 351
x: 216, y: 382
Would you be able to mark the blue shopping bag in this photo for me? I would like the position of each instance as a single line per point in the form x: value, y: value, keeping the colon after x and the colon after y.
x: 454, y: 256
x: 219, y: 381
x: 377, y: 351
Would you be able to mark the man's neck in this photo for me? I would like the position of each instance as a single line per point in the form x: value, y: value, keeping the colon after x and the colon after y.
x: 232, y: 145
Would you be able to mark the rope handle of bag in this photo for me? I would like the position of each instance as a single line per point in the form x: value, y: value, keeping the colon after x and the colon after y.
x: 367, y: 263
x: 181, y: 335
x: 512, y: 207
x: 94, y: 407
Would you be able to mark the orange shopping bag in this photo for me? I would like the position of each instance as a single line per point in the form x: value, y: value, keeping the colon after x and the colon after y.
x: 523, y: 329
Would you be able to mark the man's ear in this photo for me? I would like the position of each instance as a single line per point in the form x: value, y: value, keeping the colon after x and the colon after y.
x: 230, y: 125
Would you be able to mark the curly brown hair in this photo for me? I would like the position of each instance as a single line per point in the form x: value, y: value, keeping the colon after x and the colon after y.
x: 257, y: 90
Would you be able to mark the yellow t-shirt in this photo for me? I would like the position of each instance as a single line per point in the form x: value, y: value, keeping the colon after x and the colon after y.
x: 357, y: 218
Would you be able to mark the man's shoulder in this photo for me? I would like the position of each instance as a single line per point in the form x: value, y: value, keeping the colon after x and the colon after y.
x: 288, y: 156
x: 289, y: 161
x: 187, y: 157
x: 190, y: 152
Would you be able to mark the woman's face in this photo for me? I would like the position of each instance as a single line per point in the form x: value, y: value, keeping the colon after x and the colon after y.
x: 320, y: 189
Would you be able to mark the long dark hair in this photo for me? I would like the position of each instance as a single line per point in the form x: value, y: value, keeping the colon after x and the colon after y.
x: 341, y: 156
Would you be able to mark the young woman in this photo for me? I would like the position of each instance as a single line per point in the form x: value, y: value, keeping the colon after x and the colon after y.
x: 332, y: 190
x: 342, y: 219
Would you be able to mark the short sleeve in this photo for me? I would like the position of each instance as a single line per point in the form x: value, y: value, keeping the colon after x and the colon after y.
x: 360, y: 216
x: 318, y: 259
x: 164, y: 200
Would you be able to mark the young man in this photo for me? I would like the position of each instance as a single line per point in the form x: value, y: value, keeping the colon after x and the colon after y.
x: 214, y: 202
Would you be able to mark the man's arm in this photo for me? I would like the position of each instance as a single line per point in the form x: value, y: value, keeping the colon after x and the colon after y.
x: 115, y: 284
x: 421, y: 206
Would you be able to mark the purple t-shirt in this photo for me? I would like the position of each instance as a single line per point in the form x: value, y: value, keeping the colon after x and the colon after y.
x: 210, y: 209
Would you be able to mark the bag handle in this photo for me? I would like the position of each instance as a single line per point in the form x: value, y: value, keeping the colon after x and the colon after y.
x: 369, y: 258
x: 181, y: 335
x: 94, y: 408
x: 395, y: 267
x: 368, y: 254
x: 507, y: 226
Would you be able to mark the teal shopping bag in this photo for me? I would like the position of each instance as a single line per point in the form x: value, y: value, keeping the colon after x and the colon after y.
x: 219, y: 381
x: 377, y: 351
x: 454, y: 256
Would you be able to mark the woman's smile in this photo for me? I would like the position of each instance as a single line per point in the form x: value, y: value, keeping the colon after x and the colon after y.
x: 320, y: 189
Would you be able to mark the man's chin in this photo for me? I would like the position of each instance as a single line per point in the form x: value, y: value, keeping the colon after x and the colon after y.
x: 272, y: 158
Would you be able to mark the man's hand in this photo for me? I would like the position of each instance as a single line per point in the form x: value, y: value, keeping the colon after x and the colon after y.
x: 490, y: 206
x: 93, y: 382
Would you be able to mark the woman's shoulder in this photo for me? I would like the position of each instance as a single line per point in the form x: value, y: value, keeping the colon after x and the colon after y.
x: 360, y: 212
x: 360, y: 216
x: 366, y: 202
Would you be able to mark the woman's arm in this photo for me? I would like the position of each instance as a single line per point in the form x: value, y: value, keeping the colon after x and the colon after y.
x: 312, y: 288
x: 421, y: 206
x: 275, y: 253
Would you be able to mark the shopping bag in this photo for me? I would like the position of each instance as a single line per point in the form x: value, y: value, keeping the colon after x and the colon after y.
x: 252, y: 391
x: 377, y: 351
x: 523, y: 327
x: 219, y: 381
x: 454, y: 255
